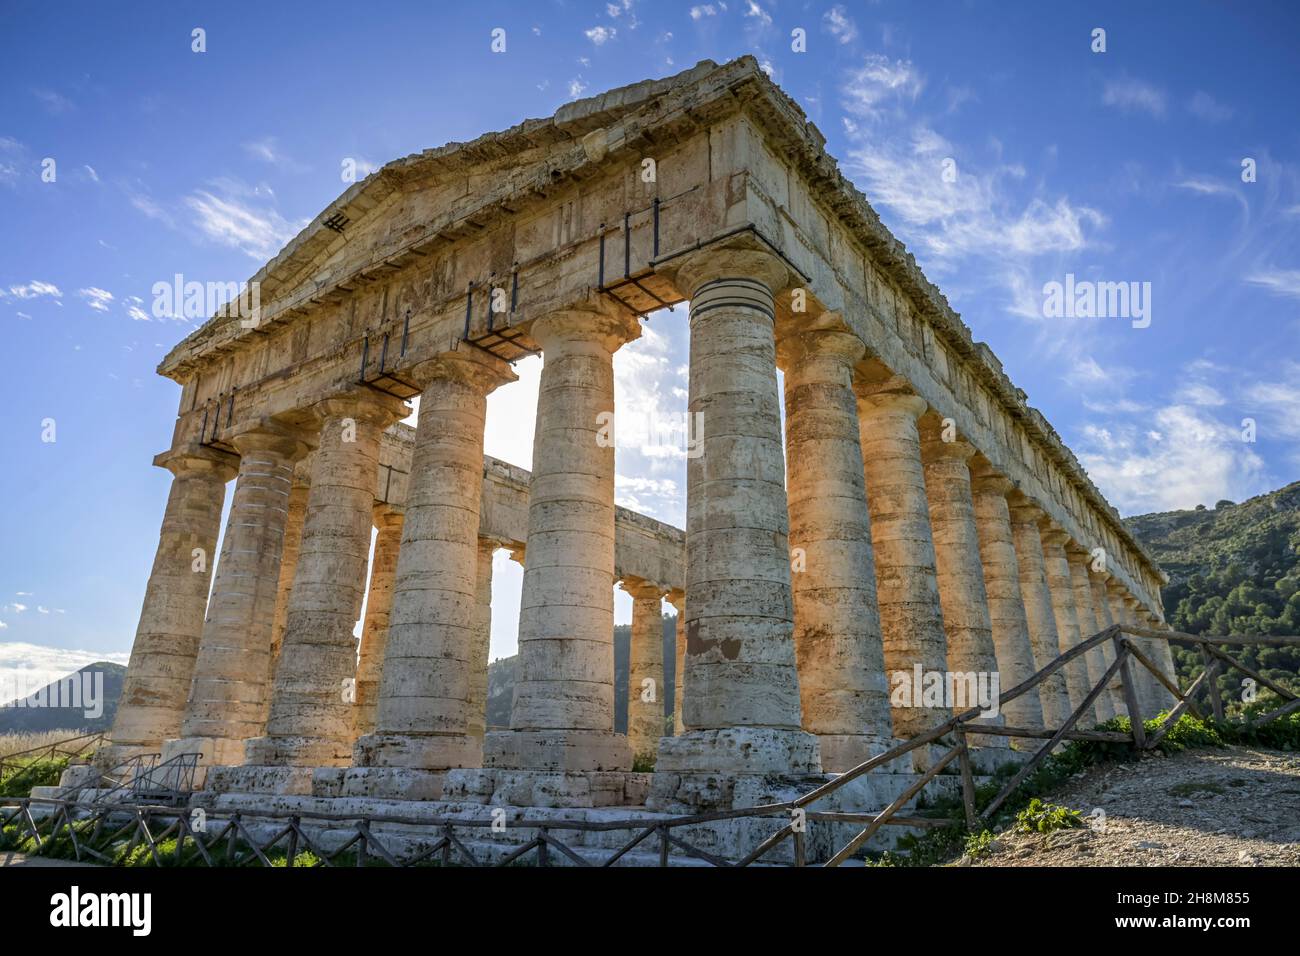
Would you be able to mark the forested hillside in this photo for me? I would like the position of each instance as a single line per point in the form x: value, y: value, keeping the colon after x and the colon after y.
x: 1234, y: 569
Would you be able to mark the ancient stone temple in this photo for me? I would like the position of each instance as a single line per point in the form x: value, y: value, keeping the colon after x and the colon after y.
x: 915, y: 515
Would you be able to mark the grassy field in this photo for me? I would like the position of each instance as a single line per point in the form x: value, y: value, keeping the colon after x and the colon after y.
x: 18, y: 776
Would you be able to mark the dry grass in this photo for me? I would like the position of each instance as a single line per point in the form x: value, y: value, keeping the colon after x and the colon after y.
x: 16, y: 743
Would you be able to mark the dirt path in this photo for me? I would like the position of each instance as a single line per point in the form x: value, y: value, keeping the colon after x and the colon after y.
x: 1232, y: 807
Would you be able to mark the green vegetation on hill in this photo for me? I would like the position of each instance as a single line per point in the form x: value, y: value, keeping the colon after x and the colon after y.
x: 1233, y: 570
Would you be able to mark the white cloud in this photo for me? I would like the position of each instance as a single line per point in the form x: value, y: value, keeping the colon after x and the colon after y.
x: 1206, y: 107
x: 753, y: 10
x: 53, y: 102
x: 14, y: 608
x: 1280, y: 282
x: 257, y: 232
x: 267, y: 149
x: 1180, y: 459
x: 98, y: 299
x: 600, y: 35
x: 35, y: 289
x: 1199, y: 393
x: 90, y: 171
x: 1132, y: 95
x: 577, y: 87
x: 32, y: 665
x: 132, y: 304
x: 878, y: 80
x: 704, y: 10
x: 840, y: 24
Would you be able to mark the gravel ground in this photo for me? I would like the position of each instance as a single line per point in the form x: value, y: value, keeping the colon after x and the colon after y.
x: 1237, y: 806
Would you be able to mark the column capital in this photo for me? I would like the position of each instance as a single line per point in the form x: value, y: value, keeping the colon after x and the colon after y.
x: 199, y: 460
x: 387, y: 517
x: 469, y: 366
x: 364, y: 405
x: 986, y: 479
x: 1024, y: 510
x: 934, y: 447
x: 720, y: 263
x: 270, y: 435
x: 595, y: 322
x: 1052, y: 533
x: 893, y: 396
x: 642, y: 589
x: 677, y: 598
x: 821, y: 355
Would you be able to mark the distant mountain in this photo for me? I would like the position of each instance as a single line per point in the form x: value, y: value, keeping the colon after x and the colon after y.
x: 64, y: 704
x: 501, y: 678
x: 1233, y: 569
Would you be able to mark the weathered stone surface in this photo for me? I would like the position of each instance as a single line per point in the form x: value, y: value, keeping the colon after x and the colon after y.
x: 645, y: 702
x: 424, y: 715
x: 229, y: 692
x: 1068, y: 629
x: 1078, y: 557
x: 379, y: 603
x: 907, y: 585
x: 161, y: 667
x: 312, y: 713
x: 1037, y: 595
x: 565, y: 681
x: 1010, y: 626
x: 962, y: 594
x: 842, y: 685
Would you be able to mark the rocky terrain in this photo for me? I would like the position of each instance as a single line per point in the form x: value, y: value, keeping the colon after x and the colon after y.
x: 1232, y: 807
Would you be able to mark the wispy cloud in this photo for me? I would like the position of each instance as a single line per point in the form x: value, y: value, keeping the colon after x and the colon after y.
x: 1204, y: 106
x: 254, y: 228
x: 756, y: 12
x: 1134, y: 96
x: 1280, y: 282
x: 55, y: 103
x: 97, y: 298
x: 36, y: 289
x: 600, y: 35
x: 840, y: 25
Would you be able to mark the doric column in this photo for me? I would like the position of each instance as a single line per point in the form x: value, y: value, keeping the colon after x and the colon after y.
x: 1101, y: 608
x: 232, y: 673
x: 645, y: 701
x: 379, y: 603
x: 158, y: 676
x: 563, y: 712
x: 1078, y: 558
x: 1068, y: 629
x: 1006, y: 606
x: 907, y: 585
x: 312, y: 719
x: 962, y: 593
x: 1119, y: 614
x: 678, y: 601
x: 293, y: 522
x: 842, y: 687
x: 741, y: 708
x: 1055, y: 698
x: 478, y: 672
x: 423, y: 719
x: 1162, y: 653
x: 1153, y: 695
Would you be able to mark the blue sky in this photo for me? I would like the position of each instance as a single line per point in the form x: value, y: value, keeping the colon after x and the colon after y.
x: 1123, y: 165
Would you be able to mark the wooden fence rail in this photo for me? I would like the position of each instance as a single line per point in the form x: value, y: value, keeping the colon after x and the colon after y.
x: 93, y: 829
